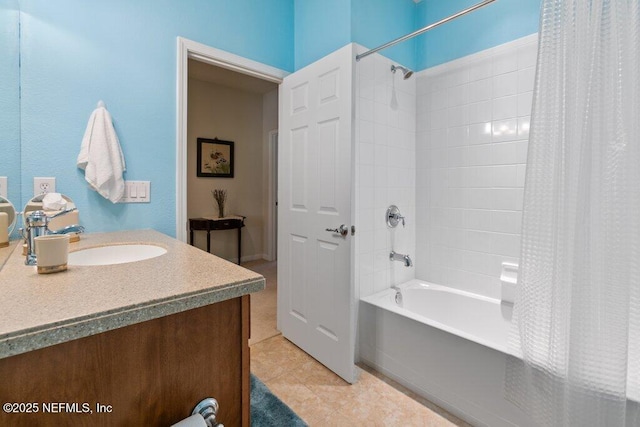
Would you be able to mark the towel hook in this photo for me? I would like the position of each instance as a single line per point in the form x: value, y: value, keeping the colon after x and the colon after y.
x: 101, y: 104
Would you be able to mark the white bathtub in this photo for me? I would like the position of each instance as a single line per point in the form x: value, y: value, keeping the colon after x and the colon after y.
x: 444, y: 344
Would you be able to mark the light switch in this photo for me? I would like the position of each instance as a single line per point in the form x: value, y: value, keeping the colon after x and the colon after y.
x: 136, y: 192
x: 142, y: 189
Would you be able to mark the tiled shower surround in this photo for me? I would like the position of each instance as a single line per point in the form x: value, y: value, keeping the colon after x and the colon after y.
x: 448, y: 147
x: 471, y: 150
x: 385, y: 172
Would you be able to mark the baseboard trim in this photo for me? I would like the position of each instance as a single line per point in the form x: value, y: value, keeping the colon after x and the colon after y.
x: 248, y: 258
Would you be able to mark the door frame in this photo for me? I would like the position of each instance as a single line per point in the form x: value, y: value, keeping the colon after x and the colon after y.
x: 271, y: 222
x: 189, y: 49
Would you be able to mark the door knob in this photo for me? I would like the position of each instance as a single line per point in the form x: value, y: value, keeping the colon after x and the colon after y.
x: 343, y: 230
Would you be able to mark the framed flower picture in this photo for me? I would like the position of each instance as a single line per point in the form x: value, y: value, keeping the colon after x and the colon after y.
x: 215, y: 158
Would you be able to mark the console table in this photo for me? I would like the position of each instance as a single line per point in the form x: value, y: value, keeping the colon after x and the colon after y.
x: 214, y: 223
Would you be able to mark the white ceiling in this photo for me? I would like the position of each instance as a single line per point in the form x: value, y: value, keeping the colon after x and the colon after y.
x: 221, y: 76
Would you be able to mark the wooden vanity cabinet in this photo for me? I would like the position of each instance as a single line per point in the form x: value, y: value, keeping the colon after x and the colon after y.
x: 147, y: 374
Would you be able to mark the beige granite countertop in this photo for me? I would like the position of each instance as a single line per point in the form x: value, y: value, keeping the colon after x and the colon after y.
x: 38, y: 310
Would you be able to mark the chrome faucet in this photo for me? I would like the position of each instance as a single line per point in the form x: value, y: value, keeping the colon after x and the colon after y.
x: 393, y: 256
x: 394, y: 217
x: 398, y: 296
x: 38, y: 225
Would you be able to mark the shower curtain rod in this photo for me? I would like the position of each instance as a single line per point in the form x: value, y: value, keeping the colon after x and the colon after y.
x: 424, y: 29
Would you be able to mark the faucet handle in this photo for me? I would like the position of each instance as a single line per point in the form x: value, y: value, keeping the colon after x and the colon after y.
x: 66, y: 211
x: 75, y: 228
x: 394, y: 217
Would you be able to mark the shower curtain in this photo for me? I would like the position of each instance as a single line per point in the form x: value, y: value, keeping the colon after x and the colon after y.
x: 577, y: 315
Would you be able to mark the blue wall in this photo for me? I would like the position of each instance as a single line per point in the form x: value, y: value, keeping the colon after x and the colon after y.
x: 375, y: 22
x: 492, y: 25
x: 75, y: 53
x: 320, y: 27
x: 323, y: 26
x: 10, y: 97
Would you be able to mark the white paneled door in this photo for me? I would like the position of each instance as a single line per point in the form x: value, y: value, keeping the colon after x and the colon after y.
x: 315, y: 294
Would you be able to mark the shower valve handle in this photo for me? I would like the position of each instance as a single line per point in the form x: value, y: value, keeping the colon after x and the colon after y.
x: 394, y: 217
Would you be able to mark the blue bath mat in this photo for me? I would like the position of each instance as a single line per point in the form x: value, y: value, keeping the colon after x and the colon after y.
x: 267, y: 410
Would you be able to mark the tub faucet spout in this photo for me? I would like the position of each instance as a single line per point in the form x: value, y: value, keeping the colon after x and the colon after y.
x: 406, y: 259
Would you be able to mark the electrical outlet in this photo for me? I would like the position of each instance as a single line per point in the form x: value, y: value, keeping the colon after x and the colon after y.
x: 43, y: 185
x: 4, y: 189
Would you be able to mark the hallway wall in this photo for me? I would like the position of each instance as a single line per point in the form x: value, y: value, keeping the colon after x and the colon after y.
x: 231, y: 115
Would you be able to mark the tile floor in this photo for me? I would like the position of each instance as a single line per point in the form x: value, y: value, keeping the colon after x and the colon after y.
x: 263, y: 304
x: 315, y: 393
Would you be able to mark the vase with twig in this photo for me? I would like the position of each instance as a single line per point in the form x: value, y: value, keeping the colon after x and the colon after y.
x: 220, y: 196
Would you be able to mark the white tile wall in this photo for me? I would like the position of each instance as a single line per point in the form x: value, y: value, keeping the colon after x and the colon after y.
x: 471, y: 151
x: 385, y: 172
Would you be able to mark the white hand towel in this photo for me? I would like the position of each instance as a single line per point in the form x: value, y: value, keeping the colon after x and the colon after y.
x: 54, y: 202
x: 101, y: 156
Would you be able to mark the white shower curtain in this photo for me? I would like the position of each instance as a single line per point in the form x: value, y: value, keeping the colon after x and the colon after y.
x: 577, y: 315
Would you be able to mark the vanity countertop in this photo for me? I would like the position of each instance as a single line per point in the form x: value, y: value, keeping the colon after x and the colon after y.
x: 39, y: 310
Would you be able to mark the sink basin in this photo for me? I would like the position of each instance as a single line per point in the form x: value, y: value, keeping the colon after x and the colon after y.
x: 115, y: 254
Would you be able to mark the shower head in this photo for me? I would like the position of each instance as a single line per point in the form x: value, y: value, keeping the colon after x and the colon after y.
x: 405, y: 71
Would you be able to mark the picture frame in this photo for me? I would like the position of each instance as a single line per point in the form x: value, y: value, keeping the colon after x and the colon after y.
x: 215, y: 158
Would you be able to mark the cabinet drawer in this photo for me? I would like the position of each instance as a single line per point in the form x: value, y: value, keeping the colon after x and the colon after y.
x: 226, y: 224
